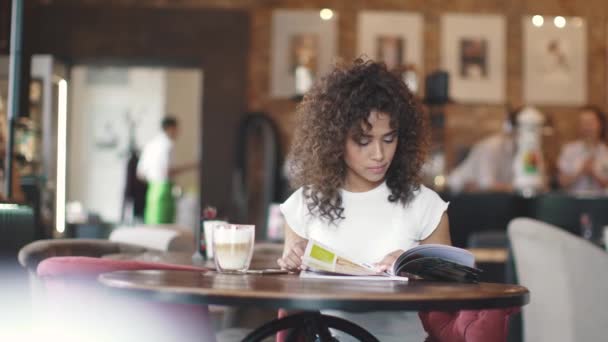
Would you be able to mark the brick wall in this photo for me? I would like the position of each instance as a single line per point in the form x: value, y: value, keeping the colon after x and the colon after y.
x: 214, y: 40
x: 465, y: 123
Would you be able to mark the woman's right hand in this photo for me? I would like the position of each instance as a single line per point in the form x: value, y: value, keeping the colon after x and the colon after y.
x: 292, y: 256
x: 587, y: 167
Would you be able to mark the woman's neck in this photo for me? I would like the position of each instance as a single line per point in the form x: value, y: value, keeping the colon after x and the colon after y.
x: 360, y: 185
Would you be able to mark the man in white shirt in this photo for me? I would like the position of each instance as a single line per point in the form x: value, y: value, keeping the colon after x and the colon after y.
x: 489, y: 165
x: 156, y: 166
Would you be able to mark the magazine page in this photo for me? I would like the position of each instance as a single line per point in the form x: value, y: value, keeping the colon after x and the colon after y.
x: 437, y: 263
x: 318, y: 257
x: 450, y: 253
x: 334, y: 276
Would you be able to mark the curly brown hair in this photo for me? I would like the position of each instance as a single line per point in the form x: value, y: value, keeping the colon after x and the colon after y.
x: 339, y: 105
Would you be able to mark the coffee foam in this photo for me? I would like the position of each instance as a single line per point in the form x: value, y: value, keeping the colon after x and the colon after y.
x: 233, y: 234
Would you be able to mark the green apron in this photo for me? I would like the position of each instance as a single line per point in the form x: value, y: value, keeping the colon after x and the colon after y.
x: 160, y: 205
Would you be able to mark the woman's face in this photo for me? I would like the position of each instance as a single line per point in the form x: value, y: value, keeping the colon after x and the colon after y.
x: 589, y: 124
x: 368, y: 157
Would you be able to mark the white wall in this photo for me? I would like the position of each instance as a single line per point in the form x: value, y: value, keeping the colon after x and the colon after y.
x: 96, y: 163
x: 184, y: 89
x: 183, y: 99
x: 96, y: 168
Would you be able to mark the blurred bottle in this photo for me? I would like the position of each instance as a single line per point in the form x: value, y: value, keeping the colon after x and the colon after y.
x: 586, y: 225
x: 276, y: 223
x: 528, y: 162
x: 209, y: 213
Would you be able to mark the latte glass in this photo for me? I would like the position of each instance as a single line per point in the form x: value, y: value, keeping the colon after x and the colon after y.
x: 233, y: 247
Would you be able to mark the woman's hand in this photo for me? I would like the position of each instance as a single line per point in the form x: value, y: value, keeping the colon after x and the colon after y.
x: 387, y: 262
x: 587, y: 167
x: 292, y: 257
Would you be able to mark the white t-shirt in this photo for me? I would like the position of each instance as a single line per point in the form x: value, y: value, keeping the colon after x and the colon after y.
x: 156, y: 159
x: 373, y: 227
x: 490, y: 161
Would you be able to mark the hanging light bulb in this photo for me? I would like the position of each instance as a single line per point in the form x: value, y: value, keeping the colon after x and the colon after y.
x: 538, y: 20
x: 326, y: 14
x: 559, y: 21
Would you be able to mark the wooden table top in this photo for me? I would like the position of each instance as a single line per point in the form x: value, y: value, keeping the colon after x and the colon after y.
x: 292, y: 292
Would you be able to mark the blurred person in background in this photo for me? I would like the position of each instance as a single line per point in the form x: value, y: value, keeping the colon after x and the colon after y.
x: 583, y: 163
x: 489, y: 164
x: 156, y: 166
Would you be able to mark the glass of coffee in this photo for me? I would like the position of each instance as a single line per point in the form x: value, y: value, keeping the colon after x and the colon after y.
x: 208, y: 228
x: 233, y: 247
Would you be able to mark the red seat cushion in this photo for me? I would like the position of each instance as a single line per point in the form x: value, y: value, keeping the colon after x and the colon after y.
x: 92, y: 267
x: 456, y: 326
x: 467, y: 325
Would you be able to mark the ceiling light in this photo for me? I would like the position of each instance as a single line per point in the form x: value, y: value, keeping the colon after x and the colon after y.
x: 538, y: 20
x: 560, y: 22
x: 326, y: 14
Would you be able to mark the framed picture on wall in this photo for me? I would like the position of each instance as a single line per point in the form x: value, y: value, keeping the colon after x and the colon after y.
x: 303, y: 48
x: 555, y: 60
x: 395, y: 39
x: 473, y: 53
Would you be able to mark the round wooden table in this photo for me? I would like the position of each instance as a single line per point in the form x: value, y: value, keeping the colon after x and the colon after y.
x: 292, y: 292
x: 295, y: 293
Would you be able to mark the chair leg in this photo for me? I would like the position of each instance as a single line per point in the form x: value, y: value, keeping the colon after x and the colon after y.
x: 276, y: 325
x: 315, y: 325
x: 348, y: 327
x: 293, y: 335
x: 319, y: 328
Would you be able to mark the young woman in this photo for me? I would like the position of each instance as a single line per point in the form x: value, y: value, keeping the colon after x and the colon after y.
x: 356, y: 161
x: 583, y: 164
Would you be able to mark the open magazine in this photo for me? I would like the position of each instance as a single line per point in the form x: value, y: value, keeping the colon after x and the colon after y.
x: 430, y: 262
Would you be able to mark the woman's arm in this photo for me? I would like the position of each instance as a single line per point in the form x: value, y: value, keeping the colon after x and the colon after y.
x: 293, y: 250
x: 565, y: 179
x: 597, y: 176
x: 600, y: 179
x: 567, y: 173
x: 441, y: 235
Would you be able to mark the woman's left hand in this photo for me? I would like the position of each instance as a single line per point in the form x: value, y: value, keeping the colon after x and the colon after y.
x: 386, y: 262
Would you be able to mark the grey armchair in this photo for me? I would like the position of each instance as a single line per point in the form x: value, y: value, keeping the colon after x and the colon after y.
x: 567, y: 277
